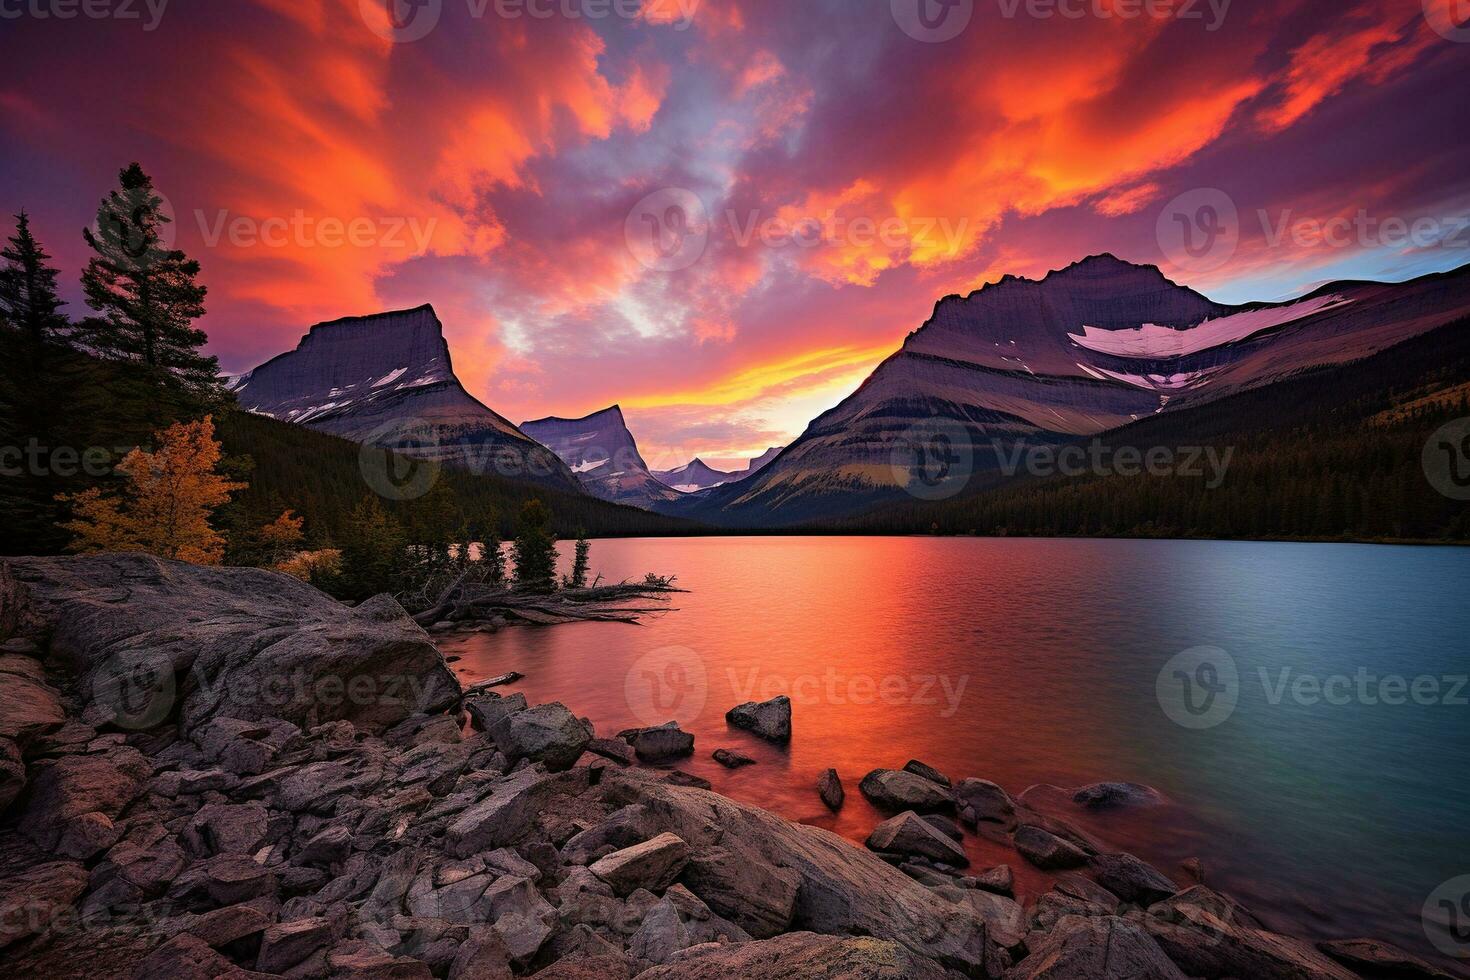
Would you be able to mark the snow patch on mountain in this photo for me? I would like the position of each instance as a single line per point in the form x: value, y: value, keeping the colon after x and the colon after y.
x: 1158, y: 342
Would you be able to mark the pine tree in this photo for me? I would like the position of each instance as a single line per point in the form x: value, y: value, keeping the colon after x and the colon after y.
x: 535, y: 550
x: 28, y: 298
x: 166, y: 508
x: 145, y: 292
x: 374, y: 546
x: 578, y: 578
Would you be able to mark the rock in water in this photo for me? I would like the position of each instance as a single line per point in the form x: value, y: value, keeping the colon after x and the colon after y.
x: 981, y: 801
x: 770, y: 720
x: 1113, y: 796
x: 731, y: 759
x: 152, y: 638
x: 829, y: 787
x: 1046, y: 850
x: 895, y: 790
x: 927, y: 771
x: 660, y: 744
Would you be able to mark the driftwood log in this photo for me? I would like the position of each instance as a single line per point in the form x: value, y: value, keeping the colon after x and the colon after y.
x: 469, y: 602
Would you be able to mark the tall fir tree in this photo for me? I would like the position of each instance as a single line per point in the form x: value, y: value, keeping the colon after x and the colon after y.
x: 535, y: 549
x: 374, y: 547
x: 28, y: 297
x: 145, y: 292
x: 578, y: 578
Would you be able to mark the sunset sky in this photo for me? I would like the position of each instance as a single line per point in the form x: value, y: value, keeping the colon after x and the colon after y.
x: 493, y: 164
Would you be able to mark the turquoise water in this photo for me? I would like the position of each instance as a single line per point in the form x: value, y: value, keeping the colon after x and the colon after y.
x: 1038, y: 661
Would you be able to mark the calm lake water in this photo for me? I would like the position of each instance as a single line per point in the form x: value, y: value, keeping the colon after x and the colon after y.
x: 1039, y: 661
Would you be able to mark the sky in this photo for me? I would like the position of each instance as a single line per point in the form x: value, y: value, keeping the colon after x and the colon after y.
x: 723, y: 214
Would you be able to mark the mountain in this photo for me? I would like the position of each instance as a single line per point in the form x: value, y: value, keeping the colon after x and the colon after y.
x: 1087, y: 349
x: 601, y: 451
x: 387, y: 379
x: 760, y: 462
x: 696, y: 475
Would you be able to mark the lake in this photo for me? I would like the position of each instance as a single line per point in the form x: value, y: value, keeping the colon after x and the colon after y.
x: 1327, y: 785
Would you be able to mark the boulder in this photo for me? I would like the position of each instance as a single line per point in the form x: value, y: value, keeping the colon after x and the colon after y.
x: 840, y: 889
x: 1114, y: 796
x: 1131, y: 879
x: 548, y: 733
x: 65, y: 791
x: 227, y: 828
x: 660, y: 744
x: 731, y: 759
x: 149, y: 638
x: 1380, y: 961
x: 981, y: 801
x: 1005, y: 920
x: 286, y: 944
x: 1096, y: 948
x: 1087, y: 890
x: 32, y: 900
x: 998, y: 879
x: 1046, y: 850
x: 896, y: 790
x: 508, y: 812
x: 29, y: 706
x: 186, y: 957
x: 221, y: 927
x: 615, y: 749
x: 928, y: 772
x: 226, y: 879
x: 910, y: 834
x: 485, y: 708
x: 1209, y: 935
x: 829, y: 788
x: 759, y: 897
x: 800, y: 956
x: 653, y: 865
x: 770, y: 720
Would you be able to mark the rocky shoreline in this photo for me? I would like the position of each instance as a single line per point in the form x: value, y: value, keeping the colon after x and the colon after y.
x: 224, y: 773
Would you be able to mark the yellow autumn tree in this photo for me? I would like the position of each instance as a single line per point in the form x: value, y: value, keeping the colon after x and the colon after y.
x: 165, y: 508
x: 281, y: 537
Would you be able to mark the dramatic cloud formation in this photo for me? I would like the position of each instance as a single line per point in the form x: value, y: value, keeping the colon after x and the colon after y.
x: 837, y: 171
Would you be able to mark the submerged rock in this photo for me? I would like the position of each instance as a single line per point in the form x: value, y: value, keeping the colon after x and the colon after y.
x: 829, y: 788
x: 770, y: 720
x: 731, y: 759
x: 1113, y: 796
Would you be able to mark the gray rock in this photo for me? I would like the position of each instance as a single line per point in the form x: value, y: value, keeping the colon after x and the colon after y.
x: 1380, y: 961
x: 945, y: 826
x: 227, y: 828
x: 981, y: 801
x: 759, y: 897
x: 362, y: 961
x: 1112, y: 796
x: 1131, y: 879
x: 998, y: 879
x: 1005, y: 920
x: 486, y: 708
x: 286, y: 944
x: 32, y: 900
x: 653, y: 865
x: 227, y: 879
x: 29, y: 706
x: 1077, y: 886
x: 613, y: 748
x: 731, y: 759
x: 237, y: 642
x: 800, y: 956
x: 75, y: 785
x: 829, y: 788
x: 660, y: 744
x: 328, y: 847
x: 521, y: 916
x: 908, y: 833
x: 1208, y: 935
x: 186, y: 957
x: 927, y: 771
x: 1103, y: 948
x: 510, y: 810
x: 547, y: 733
x: 896, y: 790
x: 1046, y: 850
x: 221, y: 927
x: 12, y: 773
x: 770, y: 720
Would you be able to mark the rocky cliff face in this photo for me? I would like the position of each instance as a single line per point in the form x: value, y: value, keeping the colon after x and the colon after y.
x: 1087, y: 349
x: 603, y: 454
x: 388, y: 380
